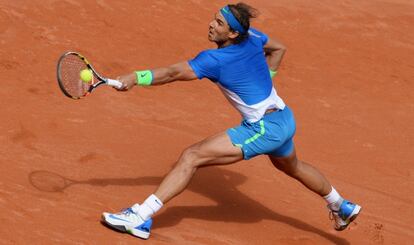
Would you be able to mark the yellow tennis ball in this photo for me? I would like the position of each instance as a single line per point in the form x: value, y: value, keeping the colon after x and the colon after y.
x: 86, y: 75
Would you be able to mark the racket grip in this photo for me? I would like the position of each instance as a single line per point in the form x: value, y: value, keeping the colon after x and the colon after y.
x: 114, y: 83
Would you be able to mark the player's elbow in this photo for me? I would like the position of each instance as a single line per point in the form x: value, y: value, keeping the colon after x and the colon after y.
x: 182, y: 72
x: 276, y: 50
x: 282, y: 48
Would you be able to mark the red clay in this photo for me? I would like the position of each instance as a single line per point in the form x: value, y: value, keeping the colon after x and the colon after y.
x: 347, y: 75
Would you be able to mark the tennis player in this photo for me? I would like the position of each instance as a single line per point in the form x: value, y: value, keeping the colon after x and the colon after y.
x: 242, y: 66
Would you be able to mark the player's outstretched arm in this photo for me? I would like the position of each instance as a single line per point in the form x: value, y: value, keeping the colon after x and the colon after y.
x: 274, y: 51
x: 178, y: 72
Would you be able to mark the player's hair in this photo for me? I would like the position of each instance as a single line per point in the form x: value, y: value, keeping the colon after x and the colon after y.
x: 243, y: 14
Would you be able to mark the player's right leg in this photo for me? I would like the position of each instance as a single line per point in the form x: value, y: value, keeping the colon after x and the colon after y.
x: 303, y: 172
x: 342, y: 211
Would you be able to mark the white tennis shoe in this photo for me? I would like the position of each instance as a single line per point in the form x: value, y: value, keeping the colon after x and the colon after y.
x: 128, y: 220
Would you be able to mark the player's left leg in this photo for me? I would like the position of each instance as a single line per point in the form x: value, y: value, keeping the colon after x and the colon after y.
x: 214, y: 150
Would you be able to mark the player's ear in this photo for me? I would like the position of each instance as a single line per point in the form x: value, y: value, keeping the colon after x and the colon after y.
x: 233, y: 34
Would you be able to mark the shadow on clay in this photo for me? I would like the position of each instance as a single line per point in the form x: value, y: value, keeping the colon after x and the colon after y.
x: 215, y: 183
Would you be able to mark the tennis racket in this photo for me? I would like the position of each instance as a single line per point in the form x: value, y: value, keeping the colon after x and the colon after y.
x: 69, y: 67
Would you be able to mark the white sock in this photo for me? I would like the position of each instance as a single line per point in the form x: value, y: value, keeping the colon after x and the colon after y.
x: 150, y: 206
x: 333, y: 199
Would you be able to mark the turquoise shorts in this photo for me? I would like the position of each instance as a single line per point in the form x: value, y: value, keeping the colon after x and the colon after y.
x: 272, y: 135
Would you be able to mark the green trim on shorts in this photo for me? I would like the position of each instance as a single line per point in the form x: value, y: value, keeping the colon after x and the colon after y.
x: 236, y: 145
x: 256, y: 136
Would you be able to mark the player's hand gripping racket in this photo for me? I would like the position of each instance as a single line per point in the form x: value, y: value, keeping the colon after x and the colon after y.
x: 77, y: 78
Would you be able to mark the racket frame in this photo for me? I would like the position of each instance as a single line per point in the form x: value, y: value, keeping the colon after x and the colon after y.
x: 102, y: 80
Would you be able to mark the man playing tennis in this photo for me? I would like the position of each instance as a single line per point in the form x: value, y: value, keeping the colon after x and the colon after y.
x: 242, y: 66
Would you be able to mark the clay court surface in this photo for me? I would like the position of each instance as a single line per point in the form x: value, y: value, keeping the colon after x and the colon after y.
x: 348, y: 76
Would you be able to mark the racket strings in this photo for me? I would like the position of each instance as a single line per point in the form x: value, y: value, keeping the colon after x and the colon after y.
x: 69, y: 72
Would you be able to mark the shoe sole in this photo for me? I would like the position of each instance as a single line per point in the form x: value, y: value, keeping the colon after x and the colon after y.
x: 351, y: 218
x: 126, y: 229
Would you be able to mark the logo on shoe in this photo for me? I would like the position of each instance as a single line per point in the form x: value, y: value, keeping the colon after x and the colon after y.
x: 114, y: 217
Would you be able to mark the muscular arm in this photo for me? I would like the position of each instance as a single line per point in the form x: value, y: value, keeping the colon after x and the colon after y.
x: 178, y: 72
x: 274, y: 51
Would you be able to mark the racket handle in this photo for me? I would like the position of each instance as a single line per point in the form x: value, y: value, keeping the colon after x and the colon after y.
x: 114, y: 83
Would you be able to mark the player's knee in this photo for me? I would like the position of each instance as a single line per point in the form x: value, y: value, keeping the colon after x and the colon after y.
x: 191, y: 157
x: 290, y: 168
